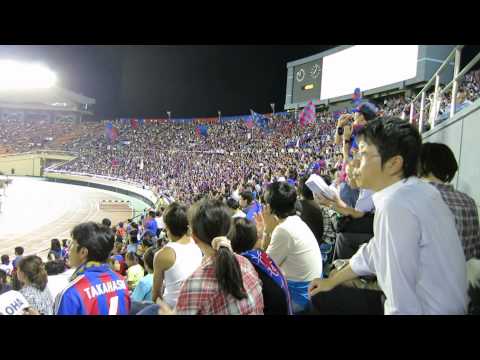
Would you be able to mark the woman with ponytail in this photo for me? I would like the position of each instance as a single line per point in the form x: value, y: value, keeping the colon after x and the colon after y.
x: 225, y: 283
x: 31, y: 272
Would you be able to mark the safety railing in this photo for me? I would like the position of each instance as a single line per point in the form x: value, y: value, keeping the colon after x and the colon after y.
x: 438, y: 93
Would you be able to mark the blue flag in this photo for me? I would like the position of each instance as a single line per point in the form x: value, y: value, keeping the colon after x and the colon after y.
x: 202, y: 130
x: 259, y: 119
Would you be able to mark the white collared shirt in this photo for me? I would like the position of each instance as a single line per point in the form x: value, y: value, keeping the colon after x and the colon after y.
x: 415, y: 252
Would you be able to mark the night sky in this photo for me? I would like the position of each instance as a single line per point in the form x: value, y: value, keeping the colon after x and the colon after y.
x: 146, y: 81
x: 196, y: 80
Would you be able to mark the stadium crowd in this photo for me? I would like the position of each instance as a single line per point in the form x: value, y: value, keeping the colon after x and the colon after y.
x: 247, y: 235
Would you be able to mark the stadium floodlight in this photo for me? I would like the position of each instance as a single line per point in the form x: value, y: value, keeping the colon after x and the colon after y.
x: 15, y: 75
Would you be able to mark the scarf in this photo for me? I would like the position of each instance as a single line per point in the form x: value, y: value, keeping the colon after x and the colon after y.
x: 81, y: 269
x: 268, y: 266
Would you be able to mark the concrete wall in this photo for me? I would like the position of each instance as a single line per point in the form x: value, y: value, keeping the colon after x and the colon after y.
x: 144, y: 195
x: 30, y: 164
x: 462, y: 135
x: 24, y: 165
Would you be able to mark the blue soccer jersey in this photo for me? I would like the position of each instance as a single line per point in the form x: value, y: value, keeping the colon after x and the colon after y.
x: 98, y: 291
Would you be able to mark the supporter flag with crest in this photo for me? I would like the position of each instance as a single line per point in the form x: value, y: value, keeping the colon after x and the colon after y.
x: 260, y: 120
x: 307, y: 116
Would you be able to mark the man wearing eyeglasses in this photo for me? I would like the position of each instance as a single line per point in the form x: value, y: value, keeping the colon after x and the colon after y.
x: 415, y: 253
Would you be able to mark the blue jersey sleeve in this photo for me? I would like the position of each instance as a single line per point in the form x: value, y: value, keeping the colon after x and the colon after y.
x: 69, y: 304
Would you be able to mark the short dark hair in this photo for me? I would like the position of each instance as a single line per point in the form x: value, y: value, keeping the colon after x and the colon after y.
x: 281, y: 197
x: 149, y: 256
x: 106, y: 222
x: 393, y: 136
x: 233, y: 204
x: 55, y: 245
x: 65, y: 242
x: 439, y: 160
x: 292, y: 174
x: 19, y: 250
x: 55, y: 267
x: 304, y: 190
x: 5, y: 259
x: 96, y: 238
x: 157, y: 213
x: 247, y: 195
x: 243, y: 235
x: 176, y: 219
x: 327, y: 179
x: 151, y: 214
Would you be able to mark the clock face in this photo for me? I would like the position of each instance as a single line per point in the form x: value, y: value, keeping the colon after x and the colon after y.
x: 315, y: 72
x: 300, y: 75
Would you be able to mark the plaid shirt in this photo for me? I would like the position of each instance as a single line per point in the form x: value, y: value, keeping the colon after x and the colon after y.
x: 200, y: 293
x: 329, y: 225
x: 465, y: 211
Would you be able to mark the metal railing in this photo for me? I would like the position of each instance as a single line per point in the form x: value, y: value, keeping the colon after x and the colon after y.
x: 438, y: 93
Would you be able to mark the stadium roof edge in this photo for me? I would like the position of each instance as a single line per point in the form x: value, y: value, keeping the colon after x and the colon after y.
x: 317, y: 56
x: 70, y: 95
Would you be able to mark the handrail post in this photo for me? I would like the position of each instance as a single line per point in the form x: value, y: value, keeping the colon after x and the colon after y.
x: 434, y: 107
x: 422, y: 110
x: 456, y: 70
x: 412, y: 106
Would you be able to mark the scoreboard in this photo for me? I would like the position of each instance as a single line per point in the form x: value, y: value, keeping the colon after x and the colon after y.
x: 332, y: 75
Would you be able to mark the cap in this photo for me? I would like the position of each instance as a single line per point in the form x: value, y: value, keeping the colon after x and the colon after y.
x: 368, y: 110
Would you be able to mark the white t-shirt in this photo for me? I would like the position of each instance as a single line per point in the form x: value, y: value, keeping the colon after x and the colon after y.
x: 188, y: 258
x: 7, y: 268
x: 160, y: 223
x: 295, y: 250
x: 57, y: 283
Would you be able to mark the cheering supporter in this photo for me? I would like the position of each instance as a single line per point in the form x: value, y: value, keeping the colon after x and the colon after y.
x: 290, y: 242
x: 249, y: 205
x: 235, y: 206
x: 18, y: 256
x: 348, y: 126
x: 310, y: 212
x: 31, y: 273
x: 415, y: 253
x: 143, y: 290
x: 225, y: 283
x: 121, y: 232
x: 244, y: 240
x: 178, y: 259
x: 4, y: 285
x: 58, y: 276
x: 64, y: 249
x: 55, y: 250
x: 438, y: 166
x: 135, y: 271
x: 151, y: 224
x: 133, y: 241
x: 6, y: 265
x: 94, y: 288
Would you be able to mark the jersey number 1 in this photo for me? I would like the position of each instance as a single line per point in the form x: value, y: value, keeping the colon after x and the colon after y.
x: 112, y: 310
